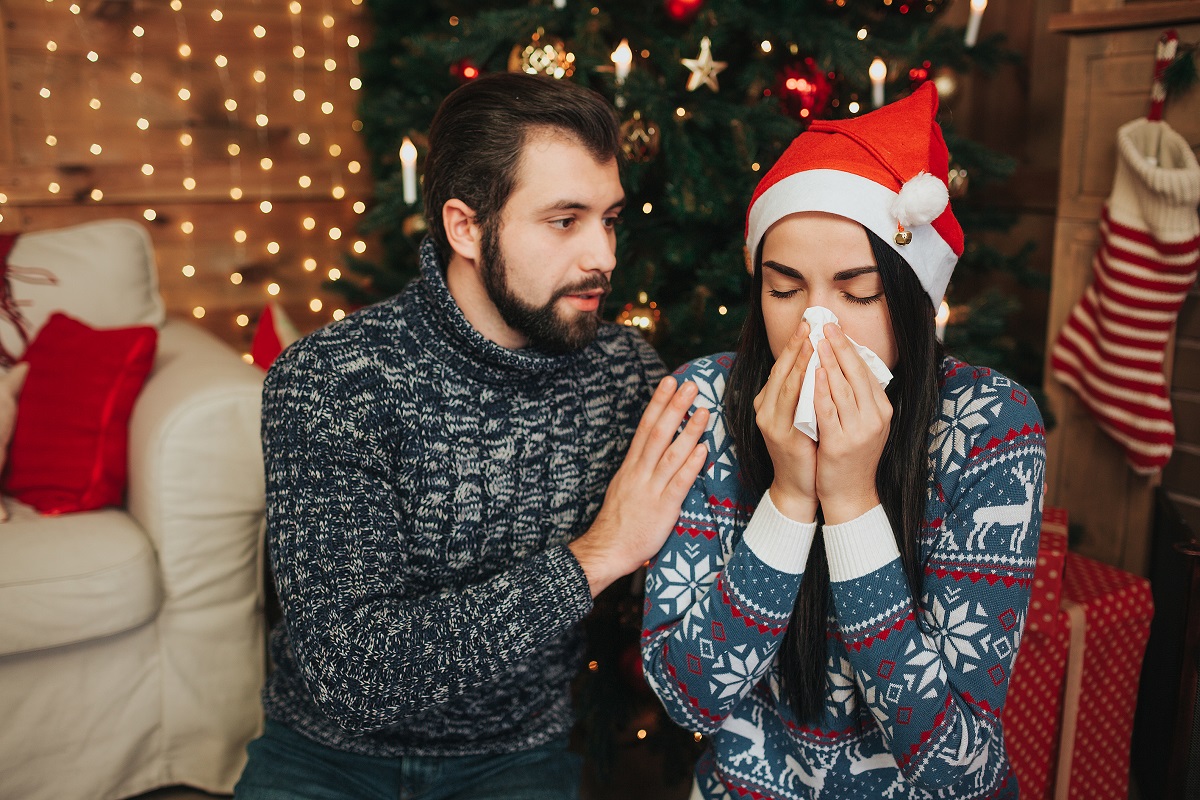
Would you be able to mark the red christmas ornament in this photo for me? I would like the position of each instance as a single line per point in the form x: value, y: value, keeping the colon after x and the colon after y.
x: 804, y: 90
x: 920, y: 74
x: 464, y: 70
x: 682, y: 10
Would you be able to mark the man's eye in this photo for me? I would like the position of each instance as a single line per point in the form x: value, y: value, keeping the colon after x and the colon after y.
x: 612, y: 222
x: 563, y: 224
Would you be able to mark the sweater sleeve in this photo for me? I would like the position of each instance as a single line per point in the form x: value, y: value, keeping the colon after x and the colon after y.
x: 372, y: 646
x: 717, y: 606
x: 935, y: 675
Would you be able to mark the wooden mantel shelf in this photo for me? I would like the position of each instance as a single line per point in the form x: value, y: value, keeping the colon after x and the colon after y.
x: 1139, y: 15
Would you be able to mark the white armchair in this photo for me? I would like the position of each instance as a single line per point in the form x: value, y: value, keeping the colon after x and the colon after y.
x: 131, y: 640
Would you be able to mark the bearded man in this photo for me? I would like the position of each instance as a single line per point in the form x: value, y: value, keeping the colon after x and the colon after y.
x: 455, y: 473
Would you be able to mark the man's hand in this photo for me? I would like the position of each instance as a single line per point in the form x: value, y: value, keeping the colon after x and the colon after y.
x: 644, y: 498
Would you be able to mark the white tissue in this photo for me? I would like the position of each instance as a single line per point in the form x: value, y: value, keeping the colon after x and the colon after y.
x: 806, y: 415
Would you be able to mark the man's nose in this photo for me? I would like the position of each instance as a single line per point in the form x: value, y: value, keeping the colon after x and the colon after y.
x: 600, y: 250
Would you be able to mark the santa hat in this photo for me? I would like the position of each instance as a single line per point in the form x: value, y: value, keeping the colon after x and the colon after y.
x: 886, y: 170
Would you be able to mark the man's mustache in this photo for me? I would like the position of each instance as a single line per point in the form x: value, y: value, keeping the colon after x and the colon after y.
x: 586, y: 285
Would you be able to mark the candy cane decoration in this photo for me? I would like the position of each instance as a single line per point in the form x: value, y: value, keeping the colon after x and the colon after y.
x: 1164, y: 54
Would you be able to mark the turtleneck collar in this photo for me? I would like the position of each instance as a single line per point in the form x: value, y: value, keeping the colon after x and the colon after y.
x: 443, y: 329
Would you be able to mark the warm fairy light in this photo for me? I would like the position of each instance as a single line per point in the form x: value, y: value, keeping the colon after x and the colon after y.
x: 139, y: 31
x: 265, y: 206
x: 755, y: 167
x: 93, y: 56
x: 198, y: 312
x: 680, y: 112
x: 177, y: 5
x: 184, y: 94
x: 233, y: 148
x: 327, y: 21
x: 231, y: 104
x: 722, y: 310
x: 185, y: 139
x: 259, y: 76
x: 74, y: 8
x: 259, y: 31
x: 335, y: 274
x: 185, y: 50
x: 359, y: 207
x: 853, y: 107
x: 310, y: 265
x: 641, y: 734
x: 97, y: 195
x: 647, y: 208
x: 298, y: 95
x: 338, y: 192
x: 939, y: 321
x: 216, y: 15
x: 239, y: 236
x: 303, y: 138
x: 143, y: 123
x: 96, y: 149
x: 357, y: 124
x: 94, y: 103
x: 360, y: 247
x: 335, y: 233
x: 304, y: 181
x: 249, y: 359
x: 266, y: 163
x: 273, y: 248
x: 44, y: 92
x: 236, y: 278
x: 149, y: 214
x: 355, y: 84
x: 315, y: 304
x: 294, y: 7
x: 353, y: 167
x: 135, y: 77
x: 330, y: 65
x: 327, y: 107
x: 298, y: 51
x: 189, y: 183
x: 188, y: 270
x: 766, y: 46
x: 51, y: 46
x: 352, y: 40
x: 54, y: 188
x: 261, y: 119
x: 221, y: 61
x: 309, y: 223
x: 147, y: 169
x: 862, y: 34
x: 187, y: 227
x: 272, y: 289
x: 697, y: 736
x: 242, y: 320
x: 338, y: 314
x: 335, y: 150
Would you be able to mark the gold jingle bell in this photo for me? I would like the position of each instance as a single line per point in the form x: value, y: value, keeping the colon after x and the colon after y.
x: 903, y: 237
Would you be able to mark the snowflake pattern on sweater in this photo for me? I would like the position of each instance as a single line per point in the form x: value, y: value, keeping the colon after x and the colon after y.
x: 914, y: 693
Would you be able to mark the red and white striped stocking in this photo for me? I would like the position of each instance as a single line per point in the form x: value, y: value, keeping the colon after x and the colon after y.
x: 1112, y: 347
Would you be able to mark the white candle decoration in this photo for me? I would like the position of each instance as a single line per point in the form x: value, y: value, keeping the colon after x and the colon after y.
x: 977, y: 7
x: 878, y: 73
x: 622, y: 57
x: 943, y: 316
x: 408, y: 165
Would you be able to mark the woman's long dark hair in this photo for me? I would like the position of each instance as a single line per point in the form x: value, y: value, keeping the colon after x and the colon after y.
x: 901, y: 479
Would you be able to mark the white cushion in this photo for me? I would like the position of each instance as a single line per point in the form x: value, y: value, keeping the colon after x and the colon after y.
x: 72, y: 578
x: 101, y: 273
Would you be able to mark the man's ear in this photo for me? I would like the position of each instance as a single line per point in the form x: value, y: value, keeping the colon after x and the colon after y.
x: 462, y: 231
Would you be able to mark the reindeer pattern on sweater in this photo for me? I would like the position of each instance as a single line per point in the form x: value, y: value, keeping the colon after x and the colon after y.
x: 914, y: 691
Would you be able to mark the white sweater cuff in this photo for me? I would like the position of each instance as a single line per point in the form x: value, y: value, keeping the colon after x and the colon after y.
x: 779, y: 542
x: 860, y: 546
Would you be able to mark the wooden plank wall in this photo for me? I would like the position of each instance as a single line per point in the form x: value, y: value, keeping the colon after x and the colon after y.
x: 235, y: 248
x: 1110, y: 63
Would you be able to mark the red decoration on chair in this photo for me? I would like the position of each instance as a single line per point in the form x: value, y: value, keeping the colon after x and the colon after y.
x: 274, y: 333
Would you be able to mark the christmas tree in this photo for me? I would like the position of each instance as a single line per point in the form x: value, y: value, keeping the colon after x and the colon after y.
x: 709, y: 93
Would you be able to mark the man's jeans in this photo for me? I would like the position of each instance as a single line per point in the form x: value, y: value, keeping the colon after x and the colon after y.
x: 285, y: 765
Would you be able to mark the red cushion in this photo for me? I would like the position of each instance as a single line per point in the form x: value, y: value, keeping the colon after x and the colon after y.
x: 70, y: 443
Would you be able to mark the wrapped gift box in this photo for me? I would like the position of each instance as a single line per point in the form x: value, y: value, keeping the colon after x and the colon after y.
x: 1035, y: 691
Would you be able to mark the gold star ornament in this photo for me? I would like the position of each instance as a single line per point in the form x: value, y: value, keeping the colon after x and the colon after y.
x: 704, y: 69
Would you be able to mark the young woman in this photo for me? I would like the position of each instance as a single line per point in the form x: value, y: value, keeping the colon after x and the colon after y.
x: 841, y: 616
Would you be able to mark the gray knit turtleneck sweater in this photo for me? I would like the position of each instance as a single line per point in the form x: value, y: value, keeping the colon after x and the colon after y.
x: 422, y: 485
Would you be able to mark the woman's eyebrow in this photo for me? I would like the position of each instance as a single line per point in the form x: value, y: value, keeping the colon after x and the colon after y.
x: 847, y: 274
x: 783, y: 270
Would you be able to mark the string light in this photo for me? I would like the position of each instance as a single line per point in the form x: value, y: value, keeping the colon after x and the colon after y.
x: 309, y: 223
x: 315, y: 304
x: 272, y: 289
x: 335, y: 274
x: 310, y: 265
x: 339, y: 314
x: 236, y: 279
x: 198, y: 312
x: 242, y: 320
x: 97, y: 195
x: 188, y: 271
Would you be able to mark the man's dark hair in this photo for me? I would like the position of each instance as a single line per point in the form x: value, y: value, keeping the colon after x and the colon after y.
x: 480, y: 130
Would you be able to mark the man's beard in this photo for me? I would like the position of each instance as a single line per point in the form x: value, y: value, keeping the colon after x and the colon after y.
x: 542, y: 326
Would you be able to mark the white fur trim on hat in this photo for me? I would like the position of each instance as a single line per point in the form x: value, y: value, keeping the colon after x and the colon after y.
x: 921, y: 200
x: 865, y: 201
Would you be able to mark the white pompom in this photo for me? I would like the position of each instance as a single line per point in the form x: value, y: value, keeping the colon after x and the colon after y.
x: 922, y: 199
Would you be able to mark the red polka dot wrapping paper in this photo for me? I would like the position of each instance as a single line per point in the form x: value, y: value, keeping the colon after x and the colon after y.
x: 1035, y: 692
x: 1103, y: 669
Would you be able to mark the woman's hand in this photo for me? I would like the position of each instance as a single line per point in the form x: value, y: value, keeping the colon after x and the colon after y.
x: 854, y: 417
x: 794, y: 455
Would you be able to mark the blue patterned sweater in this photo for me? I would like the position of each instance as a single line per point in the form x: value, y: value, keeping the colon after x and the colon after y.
x: 914, y: 693
x: 422, y: 486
